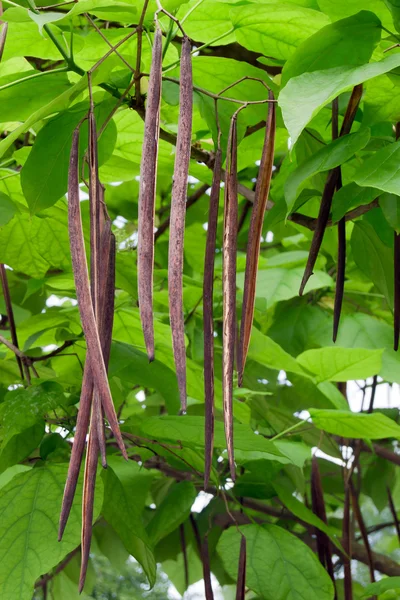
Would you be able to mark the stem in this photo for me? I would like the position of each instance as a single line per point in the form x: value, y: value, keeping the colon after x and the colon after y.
x: 33, y: 76
x: 139, y: 54
x: 200, y: 48
x: 218, y: 96
x: 282, y: 433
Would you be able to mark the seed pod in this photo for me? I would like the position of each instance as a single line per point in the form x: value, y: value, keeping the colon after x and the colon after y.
x: 3, y: 36
x: 254, y: 237
x: 88, y: 503
x: 329, y: 189
x: 205, y: 558
x: 363, y: 530
x: 10, y: 314
x: 79, y: 266
x: 97, y: 269
x: 241, y: 580
x: 393, y: 511
x: 324, y: 548
x: 208, y: 321
x: 229, y: 286
x: 177, y: 223
x: 147, y: 196
x: 346, y: 541
x: 340, y: 276
x: 184, y: 552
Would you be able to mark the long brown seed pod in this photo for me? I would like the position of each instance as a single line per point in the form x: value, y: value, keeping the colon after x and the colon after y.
x: 177, y: 223
x: 10, y: 314
x: 340, y: 277
x: 79, y: 266
x: 88, y: 503
x: 147, y: 196
x: 241, y: 580
x: 82, y: 424
x: 78, y: 447
x: 396, y: 290
x: 182, y: 538
x: 341, y: 227
x: 327, y: 196
x: 229, y: 287
x: 255, y: 231
x: 3, y: 36
x: 346, y: 542
x: 208, y: 320
x: 393, y: 511
x: 205, y: 558
x: 97, y: 271
x: 363, y: 530
x: 324, y: 548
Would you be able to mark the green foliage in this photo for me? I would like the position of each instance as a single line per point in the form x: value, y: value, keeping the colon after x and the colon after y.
x: 308, y: 52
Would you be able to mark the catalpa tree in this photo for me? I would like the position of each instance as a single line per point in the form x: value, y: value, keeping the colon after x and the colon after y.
x: 200, y: 309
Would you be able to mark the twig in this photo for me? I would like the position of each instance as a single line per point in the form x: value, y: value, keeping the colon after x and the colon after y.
x: 10, y: 314
x: 139, y: 30
x: 190, y: 201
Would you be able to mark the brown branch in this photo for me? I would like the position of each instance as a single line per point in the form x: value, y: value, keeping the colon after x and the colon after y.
x: 190, y: 201
x: 138, y: 96
x: 310, y: 223
x: 10, y: 314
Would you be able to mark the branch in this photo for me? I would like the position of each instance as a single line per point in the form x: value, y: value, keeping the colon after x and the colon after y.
x: 310, y: 223
x: 190, y: 201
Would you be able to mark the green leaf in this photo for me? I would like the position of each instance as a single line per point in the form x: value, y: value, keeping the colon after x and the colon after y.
x: 208, y: 21
x: 44, y: 177
x: 43, y: 19
x: 59, y: 103
x: 334, y: 154
x: 11, y: 472
x: 126, y: 487
x: 190, y: 431
x: 277, y: 30
x: 390, y: 205
x: 277, y: 284
x: 305, y: 514
x: 355, y: 425
x: 381, y: 170
x: 23, y: 99
x: 394, y: 7
x: 173, y: 511
x: 381, y: 99
x: 7, y: 209
x: 349, y: 41
x: 341, y: 364
x: 382, y: 586
x: 337, y: 9
x: 350, y: 196
x: 373, y: 258
x: 267, y: 352
x: 292, y: 570
x: 107, y: 10
x: 30, y: 508
x: 304, y: 96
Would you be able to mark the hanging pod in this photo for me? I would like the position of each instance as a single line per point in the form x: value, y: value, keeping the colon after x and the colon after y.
x: 324, y: 548
x: 254, y: 237
x: 147, y: 196
x: 208, y: 321
x: 241, y: 578
x: 229, y: 286
x: 329, y: 189
x: 177, y: 219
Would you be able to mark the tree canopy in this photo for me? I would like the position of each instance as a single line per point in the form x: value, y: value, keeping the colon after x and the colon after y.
x: 200, y: 269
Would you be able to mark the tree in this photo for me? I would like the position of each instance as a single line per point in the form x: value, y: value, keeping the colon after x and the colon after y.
x: 251, y: 396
